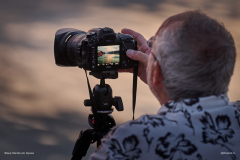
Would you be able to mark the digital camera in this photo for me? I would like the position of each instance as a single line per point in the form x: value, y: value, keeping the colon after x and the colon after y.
x: 101, y: 49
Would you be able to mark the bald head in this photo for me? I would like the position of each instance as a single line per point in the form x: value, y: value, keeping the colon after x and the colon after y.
x: 179, y: 18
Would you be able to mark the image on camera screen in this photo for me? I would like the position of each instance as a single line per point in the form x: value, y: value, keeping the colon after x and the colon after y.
x: 108, y: 55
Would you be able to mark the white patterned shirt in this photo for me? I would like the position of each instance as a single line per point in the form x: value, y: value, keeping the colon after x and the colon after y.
x: 206, y: 128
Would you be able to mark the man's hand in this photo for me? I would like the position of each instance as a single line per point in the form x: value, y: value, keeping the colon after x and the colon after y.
x: 141, y: 55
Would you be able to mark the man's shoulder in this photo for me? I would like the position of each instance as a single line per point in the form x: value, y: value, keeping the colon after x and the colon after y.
x: 154, y: 120
x: 140, y: 122
x: 235, y: 104
x: 131, y: 139
x: 145, y: 123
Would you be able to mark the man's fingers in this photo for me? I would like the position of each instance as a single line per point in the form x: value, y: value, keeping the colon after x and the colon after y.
x: 127, y: 31
x: 138, y: 56
x: 145, y: 49
x: 137, y: 36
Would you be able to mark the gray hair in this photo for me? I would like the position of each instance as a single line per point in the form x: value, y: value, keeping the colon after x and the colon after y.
x: 196, y: 55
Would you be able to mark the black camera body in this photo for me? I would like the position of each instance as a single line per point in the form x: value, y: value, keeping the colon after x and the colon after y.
x: 101, y: 49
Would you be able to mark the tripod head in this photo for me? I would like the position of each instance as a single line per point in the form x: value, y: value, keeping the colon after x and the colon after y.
x: 103, y: 97
x: 101, y: 102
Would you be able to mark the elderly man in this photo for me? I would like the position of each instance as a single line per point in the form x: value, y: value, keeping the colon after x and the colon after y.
x: 188, y: 70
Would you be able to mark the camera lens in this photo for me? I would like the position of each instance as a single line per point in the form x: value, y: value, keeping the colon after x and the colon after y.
x: 74, y: 49
x: 67, y: 47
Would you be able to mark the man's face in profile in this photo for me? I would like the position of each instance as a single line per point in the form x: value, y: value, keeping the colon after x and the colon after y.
x: 168, y: 24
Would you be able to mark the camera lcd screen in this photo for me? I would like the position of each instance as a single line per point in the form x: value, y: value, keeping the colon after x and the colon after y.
x: 108, y: 55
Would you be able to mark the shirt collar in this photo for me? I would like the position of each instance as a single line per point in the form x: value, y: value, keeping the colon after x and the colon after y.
x: 196, y: 104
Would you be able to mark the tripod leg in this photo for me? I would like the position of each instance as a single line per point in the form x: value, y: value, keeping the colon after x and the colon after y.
x: 98, y: 143
x: 82, y: 144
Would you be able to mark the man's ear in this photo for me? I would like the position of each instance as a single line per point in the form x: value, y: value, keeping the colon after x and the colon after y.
x: 157, y: 74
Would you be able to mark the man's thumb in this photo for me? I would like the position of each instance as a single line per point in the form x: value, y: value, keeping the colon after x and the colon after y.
x: 137, y: 55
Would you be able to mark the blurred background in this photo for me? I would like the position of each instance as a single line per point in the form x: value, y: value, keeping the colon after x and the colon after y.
x: 41, y: 104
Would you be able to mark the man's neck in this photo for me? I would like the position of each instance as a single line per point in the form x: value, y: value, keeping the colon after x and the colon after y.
x: 163, y: 98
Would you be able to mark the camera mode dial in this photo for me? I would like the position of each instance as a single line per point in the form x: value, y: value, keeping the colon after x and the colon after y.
x: 91, y: 34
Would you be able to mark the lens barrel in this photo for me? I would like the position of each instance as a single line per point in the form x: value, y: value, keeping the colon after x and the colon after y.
x: 66, y: 46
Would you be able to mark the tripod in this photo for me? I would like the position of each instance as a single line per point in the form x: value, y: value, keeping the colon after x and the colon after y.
x: 101, y: 121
